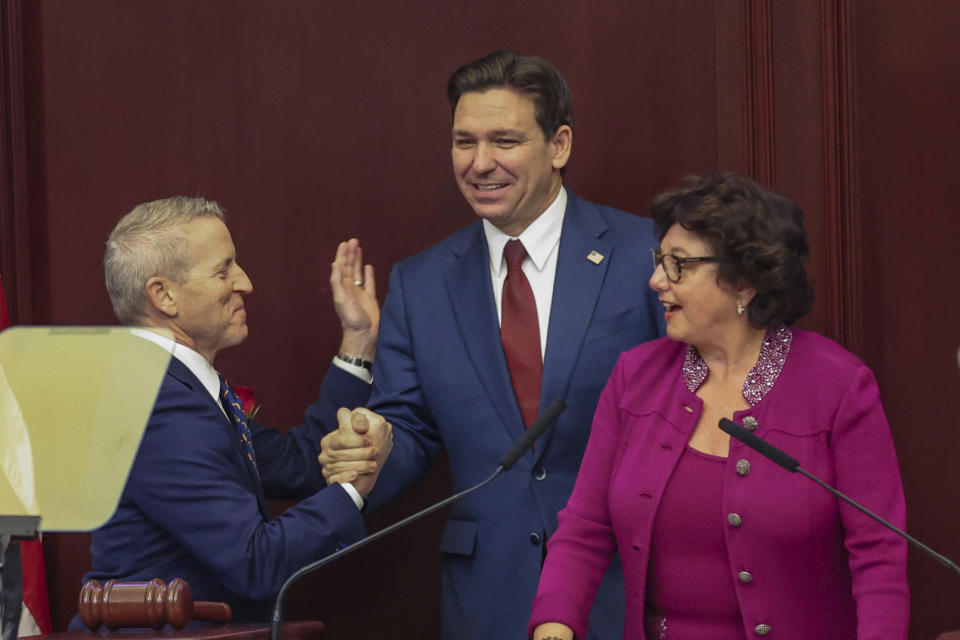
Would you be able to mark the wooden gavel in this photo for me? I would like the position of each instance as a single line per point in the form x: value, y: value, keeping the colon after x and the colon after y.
x: 145, y: 604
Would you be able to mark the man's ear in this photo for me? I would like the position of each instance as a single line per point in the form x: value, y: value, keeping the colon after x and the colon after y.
x: 162, y: 296
x: 560, y: 146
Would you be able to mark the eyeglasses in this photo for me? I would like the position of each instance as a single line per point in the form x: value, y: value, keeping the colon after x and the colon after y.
x: 672, y: 265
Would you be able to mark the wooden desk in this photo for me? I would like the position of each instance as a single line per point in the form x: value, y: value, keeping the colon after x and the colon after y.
x: 309, y: 630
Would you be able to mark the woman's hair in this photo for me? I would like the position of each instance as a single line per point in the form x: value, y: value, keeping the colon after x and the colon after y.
x: 757, y: 235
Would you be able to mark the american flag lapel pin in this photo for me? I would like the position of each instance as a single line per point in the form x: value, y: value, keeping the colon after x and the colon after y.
x: 595, y: 257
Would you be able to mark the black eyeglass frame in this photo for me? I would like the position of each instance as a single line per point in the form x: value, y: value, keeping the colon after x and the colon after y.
x: 658, y: 257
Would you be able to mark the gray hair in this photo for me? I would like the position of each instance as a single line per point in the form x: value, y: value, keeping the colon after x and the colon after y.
x: 150, y: 241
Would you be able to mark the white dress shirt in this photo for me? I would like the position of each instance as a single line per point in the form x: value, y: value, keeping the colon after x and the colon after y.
x: 354, y: 369
x: 542, y: 241
x: 192, y: 360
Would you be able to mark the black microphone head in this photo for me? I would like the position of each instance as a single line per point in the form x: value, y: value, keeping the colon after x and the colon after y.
x: 760, y: 446
x: 546, y: 418
x: 731, y: 428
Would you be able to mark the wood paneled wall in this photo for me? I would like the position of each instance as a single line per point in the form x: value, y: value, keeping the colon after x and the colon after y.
x: 908, y: 132
x: 312, y: 122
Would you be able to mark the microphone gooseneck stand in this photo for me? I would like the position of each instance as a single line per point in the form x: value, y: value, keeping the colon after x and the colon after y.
x: 769, y: 451
x: 524, y: 442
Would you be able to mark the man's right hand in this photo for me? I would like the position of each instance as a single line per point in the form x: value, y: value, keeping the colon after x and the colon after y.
x: 357, y: 450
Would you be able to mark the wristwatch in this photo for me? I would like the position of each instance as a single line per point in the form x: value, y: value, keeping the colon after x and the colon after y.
x: 354, y: 360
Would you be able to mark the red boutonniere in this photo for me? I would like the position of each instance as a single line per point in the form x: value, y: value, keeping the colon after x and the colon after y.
x: 248, y: 398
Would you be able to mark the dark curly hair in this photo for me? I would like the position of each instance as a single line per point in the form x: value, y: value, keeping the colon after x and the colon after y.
x: 757, y: 235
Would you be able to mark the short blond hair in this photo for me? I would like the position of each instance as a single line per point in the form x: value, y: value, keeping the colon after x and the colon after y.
x: 147, y: 242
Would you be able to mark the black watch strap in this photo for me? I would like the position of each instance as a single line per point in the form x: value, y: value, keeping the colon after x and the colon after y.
x: 354, y: 360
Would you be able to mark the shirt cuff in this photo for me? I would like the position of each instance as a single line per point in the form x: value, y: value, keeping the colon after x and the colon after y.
x: 354, y: 494
x: 355, y: 370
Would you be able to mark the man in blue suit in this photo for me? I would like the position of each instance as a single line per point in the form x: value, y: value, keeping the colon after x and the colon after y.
x: 194, y: 506
x: 467, y: 357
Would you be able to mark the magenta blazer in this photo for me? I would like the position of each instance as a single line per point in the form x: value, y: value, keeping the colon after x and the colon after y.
x: 819, y: 569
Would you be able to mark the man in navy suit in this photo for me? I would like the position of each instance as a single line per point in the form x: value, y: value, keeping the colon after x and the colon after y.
x: 454, y: 370
x: 194, y: 506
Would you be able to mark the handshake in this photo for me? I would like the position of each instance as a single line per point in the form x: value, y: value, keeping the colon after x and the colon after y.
x: 357, y: 450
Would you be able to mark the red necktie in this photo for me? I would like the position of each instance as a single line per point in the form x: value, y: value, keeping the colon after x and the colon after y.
x: 520, y: 333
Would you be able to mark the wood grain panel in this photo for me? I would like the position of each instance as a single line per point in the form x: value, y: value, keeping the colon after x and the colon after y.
x: 312, y: 122
x: 907, y: 60
x: 760, y: 127
x: 14, y: 219
x: 842, y: 293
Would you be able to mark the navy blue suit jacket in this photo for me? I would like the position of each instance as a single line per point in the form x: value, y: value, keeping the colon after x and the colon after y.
x: 441, y: 379
x: 193, y: 509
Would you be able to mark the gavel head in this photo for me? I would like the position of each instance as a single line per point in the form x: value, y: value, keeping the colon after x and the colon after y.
x: 136, y: 604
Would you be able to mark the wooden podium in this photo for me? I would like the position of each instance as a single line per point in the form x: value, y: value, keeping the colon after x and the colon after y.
x: 308, y: 630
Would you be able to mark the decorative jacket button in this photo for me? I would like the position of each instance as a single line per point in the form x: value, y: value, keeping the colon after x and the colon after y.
x: 750, y: 423
x: 743, y: 467
x: 745, y: 577
x: 539, y: 473
x: 734, y: 519
x: 761, y: 629
x: 535, y: 539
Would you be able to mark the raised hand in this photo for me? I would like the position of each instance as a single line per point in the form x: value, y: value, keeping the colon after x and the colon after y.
x: 354, y: 290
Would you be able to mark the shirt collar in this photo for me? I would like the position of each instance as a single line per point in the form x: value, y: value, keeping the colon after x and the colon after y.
x: 763, y: 375
x: 539, y: 239
x: 191, y: 359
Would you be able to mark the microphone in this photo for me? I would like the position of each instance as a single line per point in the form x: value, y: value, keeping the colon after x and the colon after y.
x: 524, y: 442
x: 790, y: 464
x: 762, y: 447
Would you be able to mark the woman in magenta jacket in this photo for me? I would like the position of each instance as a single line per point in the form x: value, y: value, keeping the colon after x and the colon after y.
x: 716, y: 541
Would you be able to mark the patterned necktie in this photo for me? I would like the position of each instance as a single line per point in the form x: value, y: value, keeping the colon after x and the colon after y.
x: 235, y: 411
x: 520, y: 333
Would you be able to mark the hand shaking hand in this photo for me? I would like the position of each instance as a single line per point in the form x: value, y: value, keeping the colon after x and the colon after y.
x: 357, y: 450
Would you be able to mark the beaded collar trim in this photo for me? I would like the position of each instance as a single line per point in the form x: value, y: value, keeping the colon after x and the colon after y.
x: 763, y: 375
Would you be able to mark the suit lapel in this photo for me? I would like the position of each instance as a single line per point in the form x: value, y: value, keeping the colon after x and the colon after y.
x: 575, y: 292
x: 471, y: 295
x: 180, y: 371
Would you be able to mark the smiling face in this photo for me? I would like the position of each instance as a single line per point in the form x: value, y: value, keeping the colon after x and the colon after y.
x: 698, y: 310
x: 210, y: 315
x: 505, y: 167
